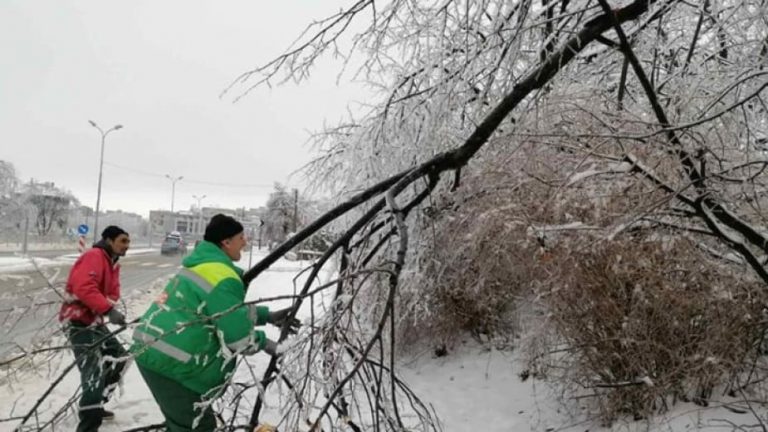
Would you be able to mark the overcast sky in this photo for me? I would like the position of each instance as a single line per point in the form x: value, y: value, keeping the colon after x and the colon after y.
x: 157, y: 68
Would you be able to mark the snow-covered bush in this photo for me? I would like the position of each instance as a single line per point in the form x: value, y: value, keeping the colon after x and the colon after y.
x: 643, y: 323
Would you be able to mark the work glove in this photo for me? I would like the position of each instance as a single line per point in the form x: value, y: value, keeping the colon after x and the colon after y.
x: 271, y: 348
x: 116, y: 317
x: 278, y: 318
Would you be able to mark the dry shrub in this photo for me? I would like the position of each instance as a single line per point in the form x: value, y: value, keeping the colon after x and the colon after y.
x: 481, y: 252
x: 631, y: 324
x: 478, y: 290
x: 646, y: 323
x: 474, y: 266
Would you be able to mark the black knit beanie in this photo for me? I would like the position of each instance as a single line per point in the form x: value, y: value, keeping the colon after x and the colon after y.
x: 222, y: 227
x: 111, y: 232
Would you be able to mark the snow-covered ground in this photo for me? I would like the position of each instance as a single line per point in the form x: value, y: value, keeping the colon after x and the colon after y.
x: 21, y: 263
x: 52, y: 246
x: 38, y: 246
x: 472, y: 388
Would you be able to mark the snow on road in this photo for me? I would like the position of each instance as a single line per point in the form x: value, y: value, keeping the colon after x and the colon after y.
x: 13, y: 264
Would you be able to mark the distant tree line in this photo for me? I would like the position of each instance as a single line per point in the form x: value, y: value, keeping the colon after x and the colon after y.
x: 40, y: 204
x: 289, y: 211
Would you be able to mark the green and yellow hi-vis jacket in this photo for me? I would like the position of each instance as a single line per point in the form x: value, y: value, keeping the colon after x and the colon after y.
x: 192, y: 332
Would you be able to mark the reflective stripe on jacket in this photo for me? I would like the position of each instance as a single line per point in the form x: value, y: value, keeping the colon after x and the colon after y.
x: 194, y: 328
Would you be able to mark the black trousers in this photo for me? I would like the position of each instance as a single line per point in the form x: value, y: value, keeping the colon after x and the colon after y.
x: 101, y: 360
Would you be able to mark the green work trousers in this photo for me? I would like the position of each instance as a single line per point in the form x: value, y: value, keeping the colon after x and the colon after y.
x: 101, y: 360
x: 178, y: 404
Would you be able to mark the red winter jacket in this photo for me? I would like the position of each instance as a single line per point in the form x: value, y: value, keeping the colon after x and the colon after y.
x: 93, y: 287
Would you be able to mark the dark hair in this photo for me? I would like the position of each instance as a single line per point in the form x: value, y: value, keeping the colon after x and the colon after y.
x: 112, y: 232
x: 222, y: 227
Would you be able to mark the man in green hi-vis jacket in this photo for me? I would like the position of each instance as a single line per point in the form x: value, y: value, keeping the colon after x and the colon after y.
x: 187, y: 342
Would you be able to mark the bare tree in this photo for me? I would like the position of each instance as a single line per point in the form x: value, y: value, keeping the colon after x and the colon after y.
x: 655, y: 104
x: 460, y: 69
x: 667, y: 100
x: 11, y: 209
x: 279, y: 217
x: 51, y: 205
x: 9, y: 181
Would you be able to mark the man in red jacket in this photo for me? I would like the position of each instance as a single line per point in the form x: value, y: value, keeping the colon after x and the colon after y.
x: 92, y: 293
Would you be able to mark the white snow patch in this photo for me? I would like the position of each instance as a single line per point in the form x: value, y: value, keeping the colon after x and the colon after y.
x: 26, y: 263
x: 21, y: 263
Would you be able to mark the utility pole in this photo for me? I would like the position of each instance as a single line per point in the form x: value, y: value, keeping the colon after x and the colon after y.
x: 173, y: 189
x: 26, y: 230
x: 261, y: 224
x: 149, y: 230
x: 295, y: 210
x: 101, y: 167
x: 250, y: 244
x: 200, y: 215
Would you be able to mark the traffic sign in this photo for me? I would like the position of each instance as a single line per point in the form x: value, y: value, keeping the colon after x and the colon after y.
x: 82, y: 229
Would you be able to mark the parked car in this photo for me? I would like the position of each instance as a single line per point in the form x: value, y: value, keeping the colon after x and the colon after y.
x: 173, y: 244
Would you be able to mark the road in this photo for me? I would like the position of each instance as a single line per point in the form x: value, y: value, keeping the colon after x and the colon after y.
x: 29, y: 303
x: 52, y: 253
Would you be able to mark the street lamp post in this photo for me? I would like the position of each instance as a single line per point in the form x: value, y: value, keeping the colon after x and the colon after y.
x: 200, y: 212
x: 101, y: 168
x: 173, y: 188
x: 26, y: 231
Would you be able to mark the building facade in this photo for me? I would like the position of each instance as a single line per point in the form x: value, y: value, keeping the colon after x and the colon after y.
x: 191, y: 223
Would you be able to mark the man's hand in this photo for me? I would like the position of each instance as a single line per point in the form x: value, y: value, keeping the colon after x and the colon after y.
x: 279, y: 317
x: 116, y: 317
